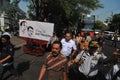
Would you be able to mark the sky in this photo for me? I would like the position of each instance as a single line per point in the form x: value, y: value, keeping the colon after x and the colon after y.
x: 23, y: 6
x: 110, y: 7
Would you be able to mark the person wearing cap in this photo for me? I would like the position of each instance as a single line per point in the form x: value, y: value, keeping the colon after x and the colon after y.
x: 89, y: 61
x: 6, y: 56
x: 7, y: 33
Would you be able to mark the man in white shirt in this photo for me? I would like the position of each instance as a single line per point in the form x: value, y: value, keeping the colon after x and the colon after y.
x: 68, y: 46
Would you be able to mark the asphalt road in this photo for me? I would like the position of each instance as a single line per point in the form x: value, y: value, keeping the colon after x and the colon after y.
x: 28, y: 66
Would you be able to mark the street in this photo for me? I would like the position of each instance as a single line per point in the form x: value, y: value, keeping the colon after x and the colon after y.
x: 38, y: 23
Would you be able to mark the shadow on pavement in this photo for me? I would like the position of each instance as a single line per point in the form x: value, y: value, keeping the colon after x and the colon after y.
x: 21, y: 67
x: 7, y: 77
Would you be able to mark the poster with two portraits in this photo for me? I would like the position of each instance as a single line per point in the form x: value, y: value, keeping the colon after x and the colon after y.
x: 36, y: 30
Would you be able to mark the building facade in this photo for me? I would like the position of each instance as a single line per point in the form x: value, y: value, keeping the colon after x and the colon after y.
x: 3, y: 18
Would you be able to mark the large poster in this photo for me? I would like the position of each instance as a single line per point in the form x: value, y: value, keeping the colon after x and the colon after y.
x: 35, y: 29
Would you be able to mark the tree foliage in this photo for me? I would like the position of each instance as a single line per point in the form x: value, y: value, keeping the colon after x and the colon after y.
x: 61, y: 12
x: 100, y: 25
x: 14, y: 13
x: 115, y: 23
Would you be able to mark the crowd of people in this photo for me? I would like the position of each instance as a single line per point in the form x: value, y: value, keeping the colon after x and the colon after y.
x: 83, y: 57
x: 72, y: 57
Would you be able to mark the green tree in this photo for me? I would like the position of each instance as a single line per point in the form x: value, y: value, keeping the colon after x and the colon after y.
x: 14, y: 13
x: 100, y: 25
x: 115, y: 23
x: 63, y: 13
x: 35, y: 9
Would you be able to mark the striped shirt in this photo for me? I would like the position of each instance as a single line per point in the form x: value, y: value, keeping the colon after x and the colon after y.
x: 56, y: 64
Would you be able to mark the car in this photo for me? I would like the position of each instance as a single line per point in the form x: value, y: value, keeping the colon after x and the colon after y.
x: 108, y: 34
x: 97, y: 31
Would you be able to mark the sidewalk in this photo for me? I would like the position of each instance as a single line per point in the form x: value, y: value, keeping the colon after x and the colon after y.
x: 17, y: 41
x: 28, y: 66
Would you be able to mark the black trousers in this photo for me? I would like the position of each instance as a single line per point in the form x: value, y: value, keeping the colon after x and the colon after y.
x: 73, y: 75
x: 83, y: 77
x: 9, y: 68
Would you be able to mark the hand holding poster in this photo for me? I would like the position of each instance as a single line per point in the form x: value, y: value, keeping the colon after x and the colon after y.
x: 36, y: 30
